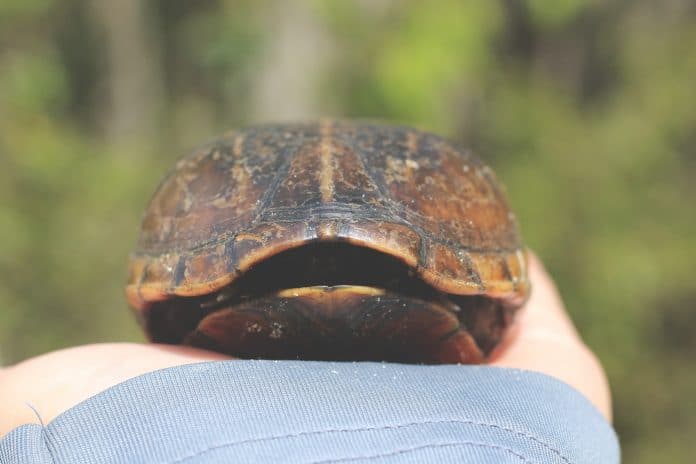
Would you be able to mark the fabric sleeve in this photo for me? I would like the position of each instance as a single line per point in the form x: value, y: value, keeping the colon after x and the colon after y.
x: 323, y: 412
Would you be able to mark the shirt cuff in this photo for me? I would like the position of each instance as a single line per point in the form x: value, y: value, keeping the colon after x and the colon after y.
x: 324, y: 412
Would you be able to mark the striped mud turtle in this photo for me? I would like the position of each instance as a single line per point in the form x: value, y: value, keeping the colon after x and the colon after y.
x: 336, y: 240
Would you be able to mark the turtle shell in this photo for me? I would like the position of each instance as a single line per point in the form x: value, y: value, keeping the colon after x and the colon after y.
x: 371, y: 201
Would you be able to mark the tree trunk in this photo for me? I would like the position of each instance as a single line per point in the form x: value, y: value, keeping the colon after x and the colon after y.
x: 133, y: 84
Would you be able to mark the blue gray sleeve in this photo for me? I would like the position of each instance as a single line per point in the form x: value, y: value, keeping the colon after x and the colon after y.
x: 320, y: 412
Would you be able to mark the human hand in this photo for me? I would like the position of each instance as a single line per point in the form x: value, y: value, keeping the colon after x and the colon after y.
x: 544, y: 340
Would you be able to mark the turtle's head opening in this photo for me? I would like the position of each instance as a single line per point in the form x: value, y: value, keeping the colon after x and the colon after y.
x: 333, y: 301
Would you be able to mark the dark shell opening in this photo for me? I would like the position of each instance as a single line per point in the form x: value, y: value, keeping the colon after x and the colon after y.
x: 411, y: 302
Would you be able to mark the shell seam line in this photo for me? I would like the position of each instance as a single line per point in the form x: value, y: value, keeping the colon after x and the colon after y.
x: 277, y: 180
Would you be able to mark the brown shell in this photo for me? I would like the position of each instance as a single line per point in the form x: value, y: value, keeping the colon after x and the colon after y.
x: 254, y: 193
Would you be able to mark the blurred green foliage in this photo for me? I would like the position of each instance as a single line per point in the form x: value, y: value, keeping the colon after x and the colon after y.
x: 586, y: 110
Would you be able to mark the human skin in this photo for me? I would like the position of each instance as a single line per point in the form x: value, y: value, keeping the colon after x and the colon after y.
x: 544, y: 340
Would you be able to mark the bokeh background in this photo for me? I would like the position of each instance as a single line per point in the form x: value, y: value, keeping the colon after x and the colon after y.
x: 585, y: 109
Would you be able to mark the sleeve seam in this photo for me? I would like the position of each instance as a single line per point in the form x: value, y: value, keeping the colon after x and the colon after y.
x: 519, y: 433
x: 452, y: 444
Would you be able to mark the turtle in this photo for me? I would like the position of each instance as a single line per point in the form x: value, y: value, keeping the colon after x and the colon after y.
x: 331, y: 240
